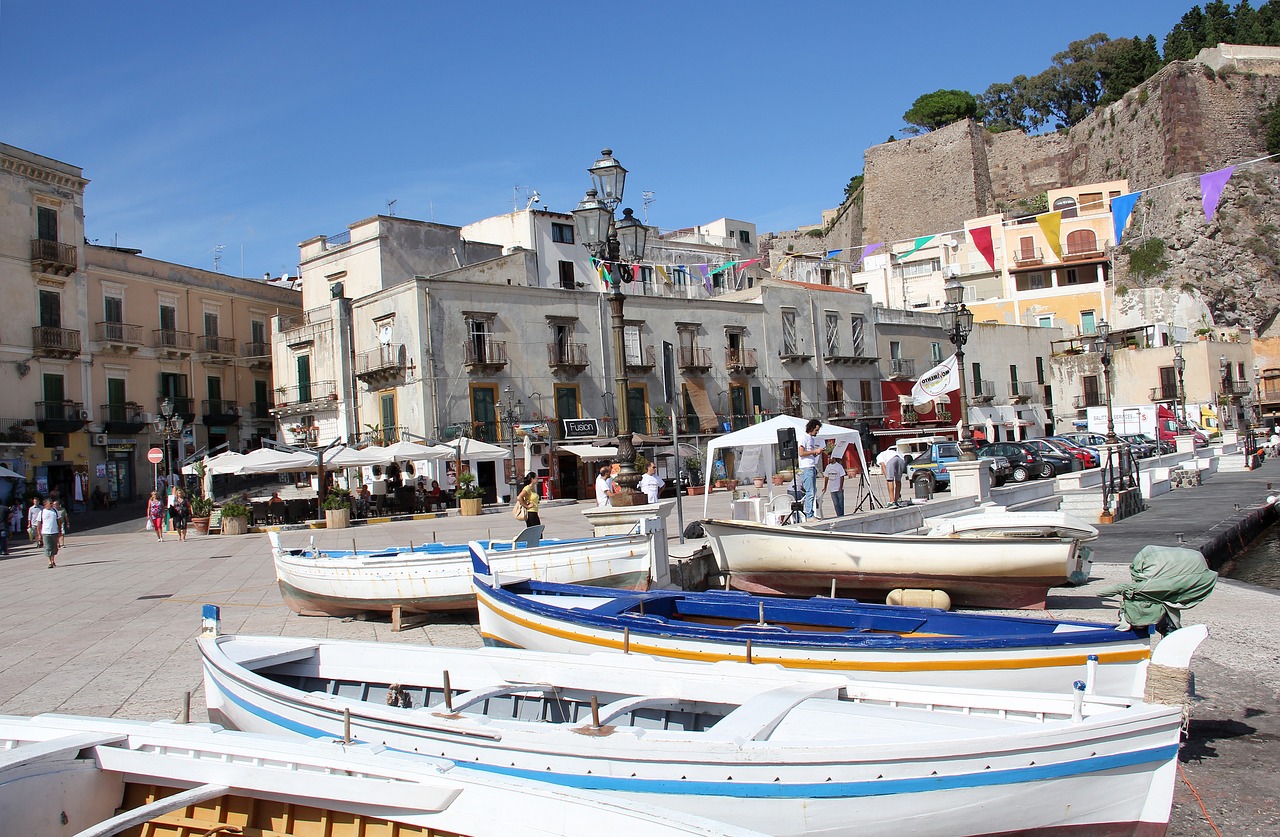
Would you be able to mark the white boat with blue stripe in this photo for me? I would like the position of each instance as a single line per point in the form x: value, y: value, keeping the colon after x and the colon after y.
x: 781, y: 751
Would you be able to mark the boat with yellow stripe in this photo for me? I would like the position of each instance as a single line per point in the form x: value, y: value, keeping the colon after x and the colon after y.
x: 867, y: 641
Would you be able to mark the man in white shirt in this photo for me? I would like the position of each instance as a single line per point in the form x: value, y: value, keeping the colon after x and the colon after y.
x: 50, y: 529
x: 604, y: 487
x: 651, y: 483
x: 892, y: 465
x: 833, y: 484
x: 810, y: 448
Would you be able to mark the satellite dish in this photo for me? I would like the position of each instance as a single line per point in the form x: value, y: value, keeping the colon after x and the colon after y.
x: 384, y: 335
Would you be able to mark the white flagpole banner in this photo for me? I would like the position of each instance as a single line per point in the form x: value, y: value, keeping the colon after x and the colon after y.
x: 935, y: 383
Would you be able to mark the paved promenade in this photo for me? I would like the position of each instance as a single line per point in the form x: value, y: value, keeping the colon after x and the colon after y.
x: 111, y: 630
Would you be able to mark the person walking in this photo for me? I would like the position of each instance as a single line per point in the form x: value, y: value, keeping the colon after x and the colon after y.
x: 33, y: 520
x: 155, y: 515
x: 50, y: 531
x: 63, y: 521
x: 833, y: 484
x: 604, y: 487
x: 651, y: 483
x: 4, y: 528
x: 528, y: 499
x: 181, y: 514
x: 892, y: 465
x: 810, y: 448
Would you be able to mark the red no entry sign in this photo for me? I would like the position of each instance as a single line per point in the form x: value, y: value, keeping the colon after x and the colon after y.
x: 155, y: 456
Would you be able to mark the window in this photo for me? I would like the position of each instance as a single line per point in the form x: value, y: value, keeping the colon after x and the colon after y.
x: 387, y: 414
x: 257, y: 331
x: 859, y: 330
x: 977, y: 379
x: 646, y: 275
x: 923, y: 267
x: 168, y: 317
x: 214, y: 387
x: 792, y: 402
x: 1091, y: 391
x: 113, y: 308
x: 1026, y: 248
x: 484, y: 414
x: 935, y: 352
x: 1088, y: 323
x: 46, y: 223
x: 790, y: 344
x: 566, y: 398
x: 835, y: 398
x: 1032, y: 281
x: 261, y: 401
x: 1091, y: 202
x: 173, y: 385
x: 50, y: 309
x: 1040, y: 371
x: 824, y: 276
x: 116, y: 400
x: 53, y: 388
x: 895, y: 350
x: 1045, y: 321
x: 562, y: 233
x: 1013, y: 378
x: 211, y: 323
x: 304, y: 377
x: 832, y: 319
x: 1065, y: 205
x: 864, y: 394
x: 1082, y: 241
x: 631, y: 345
x: 567, y: 279
x: 1168, y: 384
x: 744, y: 236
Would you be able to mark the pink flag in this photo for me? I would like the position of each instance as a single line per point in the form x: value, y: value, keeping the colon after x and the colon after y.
x: 1211, y: 187
x: 981, y: 237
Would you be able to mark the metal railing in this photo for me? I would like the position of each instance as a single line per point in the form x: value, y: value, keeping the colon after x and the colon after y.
x: 901, y: 367
x: 642, y: 357
x: 1028, y: 257
x: 58, y: 340
x: 182, y: 406
x: 130, y: 414
x: 54, y: 254
x: 1024, y: 390
x: 107, y: 332
x: 387, y: 358
x: 313, y: 316
x: 215, y: 345
x: 306, y: 393
x: 485, y: 352
x: 740, y: 358
x: 1089, y: 400
x: 1119, y: 473
x: 1161, y: 394
x: 982, y: 390
x: 567, y: 354
x: 167, y: 338
x: 219, y: 407
x: 255, y: 349
x: 61, y: 411
x: 693, y: 357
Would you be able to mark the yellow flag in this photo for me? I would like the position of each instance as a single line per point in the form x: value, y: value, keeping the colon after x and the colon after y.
x: 1051, y: 225
x: 662, y: 271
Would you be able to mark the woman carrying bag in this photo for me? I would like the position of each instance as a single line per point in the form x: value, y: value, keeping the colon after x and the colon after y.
x: 155, y: 515
x: 527, y: 501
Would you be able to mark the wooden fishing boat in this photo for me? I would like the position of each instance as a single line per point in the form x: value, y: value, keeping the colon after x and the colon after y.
x: 786, y: 752
x: 428, y: 578
x: 867, y: 641
x: 63, y: 775
x: 974, y: 572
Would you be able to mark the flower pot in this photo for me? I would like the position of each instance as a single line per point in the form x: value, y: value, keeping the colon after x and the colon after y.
x: 235, y: 525
x: 758, y: 482
x: 200, y: 525
x: 695, y: 490
x: 787, y: 476
x: 337, y: 518
x: 470, y: 506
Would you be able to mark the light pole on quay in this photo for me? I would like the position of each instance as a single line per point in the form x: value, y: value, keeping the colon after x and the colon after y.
x: 957, y: 319
x: 1104, y: 347
x: 619, y: 243
x: 509, y: 413
x: 1226, y: 404
x: 168, y: 425
x: 1180, y: 364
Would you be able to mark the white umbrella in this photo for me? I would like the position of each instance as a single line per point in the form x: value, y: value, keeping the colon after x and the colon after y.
x: 413, y: 452
x: 356, y: 457
x: 223, y: 463
x: 465, y: 448
x: 268, y: 461
x: 13, y: 475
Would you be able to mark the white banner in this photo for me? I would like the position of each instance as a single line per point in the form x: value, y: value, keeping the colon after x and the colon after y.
x: 937, y: 382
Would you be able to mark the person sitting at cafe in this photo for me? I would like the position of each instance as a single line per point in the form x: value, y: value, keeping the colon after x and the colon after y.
x: 363, y: 499
x: 436, y: 498
x: 276, y: 507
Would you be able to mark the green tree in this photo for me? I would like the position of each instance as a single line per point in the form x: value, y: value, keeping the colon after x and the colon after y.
x: 1273, y: 129
x: 1004, y: 107
x: 1072, y: 86
x: 939, y: 108
x: 1124, y: 64
x: 1184, y: 39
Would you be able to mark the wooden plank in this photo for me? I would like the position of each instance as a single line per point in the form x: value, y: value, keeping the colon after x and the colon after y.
x: 148, y: 812
x: 65, y: 746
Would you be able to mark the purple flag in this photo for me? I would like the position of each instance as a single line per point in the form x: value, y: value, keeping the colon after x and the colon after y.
x: 867, y: 251
x: 1211, y: 186
x: 1121, y: 209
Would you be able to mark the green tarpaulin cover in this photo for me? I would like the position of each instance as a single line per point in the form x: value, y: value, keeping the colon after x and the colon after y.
x: 1166, y: 581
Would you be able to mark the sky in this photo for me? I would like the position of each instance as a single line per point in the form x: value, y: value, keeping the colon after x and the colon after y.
x: 253, y: 126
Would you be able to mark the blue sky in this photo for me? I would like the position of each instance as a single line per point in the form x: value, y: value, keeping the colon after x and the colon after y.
x: 257, y: 125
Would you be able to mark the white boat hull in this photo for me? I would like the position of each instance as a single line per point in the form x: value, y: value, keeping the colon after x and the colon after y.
x: 975, y: 572
x: 342, y: 584
x: 799, y: 753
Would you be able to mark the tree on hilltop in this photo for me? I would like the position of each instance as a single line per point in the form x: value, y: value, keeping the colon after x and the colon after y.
x: 941, y: 107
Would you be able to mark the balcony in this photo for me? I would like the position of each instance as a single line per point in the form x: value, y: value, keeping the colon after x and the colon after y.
x: 794, y: 354
x: 305, y: 398
x: 1239, y: 388
x: 643, y: 360
x: 183, y: 407
x: 837, y: 354
x: 258, y: 354
x: 1028, y: 258
x: 119, y: 335
x: 901, y: 368
x: 569, y: 357
x: 484, y: 355
x: 47, y: 341
x: 219, y: 411
x: 1164, y: 395
x: 983, y: 392
x: 1020, y: 392
x: 53, y: 257
x: 261, y: 411
x: 212, y: 344
x: 693, y: 359
x: 1089, y: 399
x: 381, y: 365
x: 740, y: 361
x: 1095, y: 252
x: 173, y: 343
x: 122, y: 418
x: 61, y: 416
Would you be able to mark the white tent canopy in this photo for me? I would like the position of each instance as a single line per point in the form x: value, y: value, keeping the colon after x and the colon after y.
x: 13, y: 475
x: 356, y: 457
x: 268, y: 461
x: 464, y: 448
x: 224, y: 463
x: 765, y: 434
x: 405, y: 451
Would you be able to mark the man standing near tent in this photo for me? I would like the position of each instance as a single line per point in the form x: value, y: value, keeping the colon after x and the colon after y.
x: 892, y: 465
x: 810, y: 451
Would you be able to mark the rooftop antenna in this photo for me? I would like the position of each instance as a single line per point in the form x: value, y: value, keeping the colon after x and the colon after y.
x: 391, y: 207
x: 217, y: 257
x: 648, y: 199
x: 532, y: 197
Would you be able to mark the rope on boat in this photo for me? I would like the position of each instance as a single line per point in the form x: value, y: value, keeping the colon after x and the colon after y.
x: 1170, y: 686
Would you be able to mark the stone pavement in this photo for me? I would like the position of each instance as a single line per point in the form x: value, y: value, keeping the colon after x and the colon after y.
x: 111, y: 631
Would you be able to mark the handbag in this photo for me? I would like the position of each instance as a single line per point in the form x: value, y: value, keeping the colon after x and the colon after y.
x: 520, y: 512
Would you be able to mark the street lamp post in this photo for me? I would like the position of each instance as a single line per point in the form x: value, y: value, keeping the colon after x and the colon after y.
x: 1226, y: 404
x: 168, y: 425
x: 1104, y: 347
x: 509, y: 413
x: 958, y: 321
x: 1180, y: 363
x: 619, y: 243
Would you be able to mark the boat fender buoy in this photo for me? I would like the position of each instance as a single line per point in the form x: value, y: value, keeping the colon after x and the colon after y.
x: 919, y: 598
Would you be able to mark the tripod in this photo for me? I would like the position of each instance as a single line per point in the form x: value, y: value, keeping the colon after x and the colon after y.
x: 866, y: 496
x: 796, y: 515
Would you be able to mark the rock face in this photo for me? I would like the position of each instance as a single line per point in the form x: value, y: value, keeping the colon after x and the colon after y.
x: 1190, y: 118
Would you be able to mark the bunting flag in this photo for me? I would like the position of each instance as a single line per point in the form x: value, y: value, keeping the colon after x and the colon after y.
x: 635, y: 273
x: 981, y: 238
x: 747, y: 264
x: 777, y: 271
x: 726, y: 266
x: 662, y: 271
x: 867, y: 251
x: 1121, y: 209
x: 920, y: 242
x: 831, y: 254
x: 1211, y: 185
x: 1051, y: 225
x: 706, y: 277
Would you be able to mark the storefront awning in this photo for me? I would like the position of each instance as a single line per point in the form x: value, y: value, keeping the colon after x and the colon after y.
x: 702, y: 405
x: 589, y: 452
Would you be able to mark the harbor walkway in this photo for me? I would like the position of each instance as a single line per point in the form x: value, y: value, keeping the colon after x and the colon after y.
x: 111, y: 630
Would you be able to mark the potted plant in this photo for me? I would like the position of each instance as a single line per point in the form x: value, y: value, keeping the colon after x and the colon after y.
x: 758, y: 482
x: 337, y: 508
x: 201, y: 511
x: 693, y: 466
x: 470, y: 495
x: 235, y: 518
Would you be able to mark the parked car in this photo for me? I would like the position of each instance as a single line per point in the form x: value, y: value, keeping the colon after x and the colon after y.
x: 1025, y: 460
x: 1141, y: 446
x: 1093, y: 459
x: 1092, y: 441
x: 1077, y: 458
x: 930, y: 467
x: 1162, y: 446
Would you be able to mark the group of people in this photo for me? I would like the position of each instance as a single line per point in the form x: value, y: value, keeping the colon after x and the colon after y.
x: 46, y: 522
x: 650, y: 485
x: 811, y: 449
x: 180, y: 514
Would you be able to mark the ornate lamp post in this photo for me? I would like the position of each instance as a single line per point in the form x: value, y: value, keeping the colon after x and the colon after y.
x: 619, y: 243
x: 957, y: 319
x: 1104, y: 347
x: 1180, y: 364
x: 168, y: 425
x: 1225, y: 402
x: 509, y: 413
